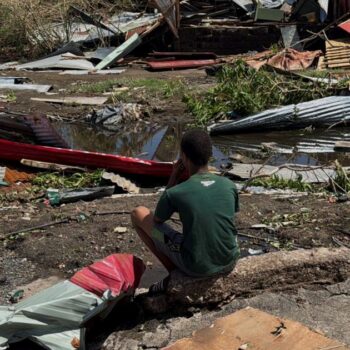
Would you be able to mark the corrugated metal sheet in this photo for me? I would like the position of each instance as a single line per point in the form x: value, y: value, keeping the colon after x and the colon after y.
x: 117, y: 273
x: 44, y: 132
x: 120, y: 52
x: 56, y: 316
x: 322, y: 112
x: 170, y: 10
x: 309, y: 174
x: 64, y: 61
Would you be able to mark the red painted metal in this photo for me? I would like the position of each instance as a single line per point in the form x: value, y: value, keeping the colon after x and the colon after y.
x: 184, y: 54
x: 345, y: 26
x: 180, y: 64
x: 117, y: 273
x: 16, y: 151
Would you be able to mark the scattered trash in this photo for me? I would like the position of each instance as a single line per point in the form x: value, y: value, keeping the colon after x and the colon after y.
x: 111, y: 117
x: 255, y: 251
x: 57, y: 197
x: 16, y: 296
x: 120, y: 229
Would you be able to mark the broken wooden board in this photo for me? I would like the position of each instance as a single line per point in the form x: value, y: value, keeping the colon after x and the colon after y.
x: 342, y: 146
x: 79, y: 100
x: 92, y: 72
x: 337, y: 54
x: 121, y: 182
x: 308, y: 174
x: 51, y: 166
x: 254, y: 329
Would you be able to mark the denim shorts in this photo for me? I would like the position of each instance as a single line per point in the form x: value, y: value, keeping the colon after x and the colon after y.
x: 168, y: 241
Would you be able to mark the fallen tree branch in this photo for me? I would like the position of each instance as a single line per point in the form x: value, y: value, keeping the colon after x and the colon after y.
x: 63, y: 221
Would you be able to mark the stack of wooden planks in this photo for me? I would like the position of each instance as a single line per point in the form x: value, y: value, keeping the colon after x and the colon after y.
x: 337, y: 55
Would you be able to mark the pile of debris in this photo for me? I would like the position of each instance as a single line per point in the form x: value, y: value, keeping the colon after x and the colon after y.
x: 93, y: 45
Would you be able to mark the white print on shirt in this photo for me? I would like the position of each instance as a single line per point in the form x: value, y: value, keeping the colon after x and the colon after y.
x: 207, y: 183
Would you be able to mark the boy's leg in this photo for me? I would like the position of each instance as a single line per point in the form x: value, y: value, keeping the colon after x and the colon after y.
x: 142, y: 219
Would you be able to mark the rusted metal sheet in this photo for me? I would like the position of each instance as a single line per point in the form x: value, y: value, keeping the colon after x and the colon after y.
x: 44, y: 132
x: 180, y: 64
x: 13, y: 176
x: 170, y: 11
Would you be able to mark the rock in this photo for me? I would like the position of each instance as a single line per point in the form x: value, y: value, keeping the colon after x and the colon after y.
x: 116, y: 341
x: 272, y: 271
x: 156, y: 339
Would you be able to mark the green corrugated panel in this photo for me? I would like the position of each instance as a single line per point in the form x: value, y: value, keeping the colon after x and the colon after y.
x: 265, y: 14
x: 52, y: 318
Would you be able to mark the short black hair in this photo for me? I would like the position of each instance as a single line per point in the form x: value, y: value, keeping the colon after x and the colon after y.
x: 197, y: 146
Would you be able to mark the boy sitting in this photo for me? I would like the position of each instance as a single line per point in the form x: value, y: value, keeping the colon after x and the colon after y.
x: 206, y: 204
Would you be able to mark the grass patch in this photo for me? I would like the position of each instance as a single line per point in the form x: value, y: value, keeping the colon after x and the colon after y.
x: 275, y: 182
x: 151, y: 87
x: 246, y: 91
x: 76, y: 180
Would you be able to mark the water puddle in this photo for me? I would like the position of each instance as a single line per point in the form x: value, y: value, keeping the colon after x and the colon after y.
x: 162, y: 143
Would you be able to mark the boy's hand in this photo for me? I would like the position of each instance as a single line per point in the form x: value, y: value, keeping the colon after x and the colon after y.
x: 178, y: 170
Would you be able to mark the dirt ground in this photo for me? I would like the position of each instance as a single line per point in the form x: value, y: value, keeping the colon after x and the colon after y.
x: 161, y: 109
x: 61, y: 250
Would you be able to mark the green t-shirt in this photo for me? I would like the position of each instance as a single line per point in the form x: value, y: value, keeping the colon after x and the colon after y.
x: 206, y: 204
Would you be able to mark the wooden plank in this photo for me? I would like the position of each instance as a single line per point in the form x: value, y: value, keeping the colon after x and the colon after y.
x: 342, y: 146
x: 256, y: 330
x: 52, y: 166
x: 337, y: 43
x: 79, y: 100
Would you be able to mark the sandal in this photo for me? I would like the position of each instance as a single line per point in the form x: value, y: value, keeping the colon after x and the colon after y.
x: 159, y: 287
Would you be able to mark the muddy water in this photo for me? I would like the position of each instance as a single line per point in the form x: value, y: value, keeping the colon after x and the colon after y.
x: 162, y: 143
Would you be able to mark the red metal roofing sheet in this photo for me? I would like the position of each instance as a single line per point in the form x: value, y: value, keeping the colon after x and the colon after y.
x: 16, y: 151
x: 178, y: 64
x: 117, y: 273
x: 345, y: 26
